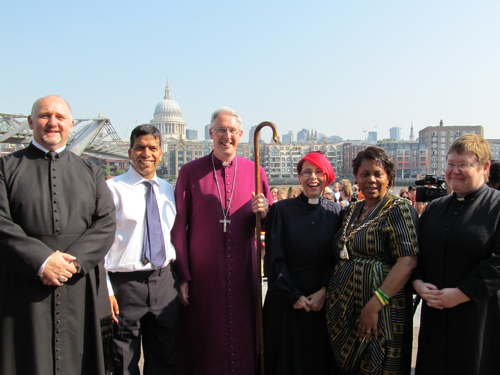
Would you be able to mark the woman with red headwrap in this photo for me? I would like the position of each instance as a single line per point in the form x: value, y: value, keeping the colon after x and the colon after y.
x: 298, y: 263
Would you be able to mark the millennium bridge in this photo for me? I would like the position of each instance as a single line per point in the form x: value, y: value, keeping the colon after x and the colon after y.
x: 92, y: 136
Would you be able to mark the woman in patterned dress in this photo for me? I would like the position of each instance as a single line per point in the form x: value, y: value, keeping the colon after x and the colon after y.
x: 369, y: 305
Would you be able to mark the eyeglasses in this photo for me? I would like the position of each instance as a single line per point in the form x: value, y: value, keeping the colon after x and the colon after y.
x: 308, y: 173
x: 462, y: 167
x: 223, y: 131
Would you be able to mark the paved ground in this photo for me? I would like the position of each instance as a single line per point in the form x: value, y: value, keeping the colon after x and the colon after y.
x: 416, y: 326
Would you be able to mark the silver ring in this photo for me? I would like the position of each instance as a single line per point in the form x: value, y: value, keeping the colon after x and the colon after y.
x: 63, y: 279
x: 368, y: 331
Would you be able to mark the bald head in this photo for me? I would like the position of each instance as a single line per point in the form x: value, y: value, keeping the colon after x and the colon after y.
x: 51, y: 121
x: 35, y: 104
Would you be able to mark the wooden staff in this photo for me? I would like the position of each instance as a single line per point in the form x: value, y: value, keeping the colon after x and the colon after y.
x: 258, y: 225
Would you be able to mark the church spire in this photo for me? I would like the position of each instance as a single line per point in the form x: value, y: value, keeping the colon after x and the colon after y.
x: 412, y: 137
x: 167, y: 91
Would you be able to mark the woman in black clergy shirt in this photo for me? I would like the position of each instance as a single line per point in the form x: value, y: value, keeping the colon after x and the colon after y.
x: 458, y: 276
x: 369, y: 307
x: 298, y: 262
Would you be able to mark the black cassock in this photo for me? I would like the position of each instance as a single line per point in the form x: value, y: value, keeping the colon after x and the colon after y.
x: 298, y: 261
x: 62, y: 205
x: 460, y: 247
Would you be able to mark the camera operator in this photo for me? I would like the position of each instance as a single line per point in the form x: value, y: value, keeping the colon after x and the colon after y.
x: 412, y: 191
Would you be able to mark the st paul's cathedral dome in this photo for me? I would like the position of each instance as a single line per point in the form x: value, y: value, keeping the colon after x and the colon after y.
x: 168, y: 119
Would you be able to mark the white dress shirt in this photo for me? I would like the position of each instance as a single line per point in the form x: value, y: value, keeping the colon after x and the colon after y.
x: 129, y: 195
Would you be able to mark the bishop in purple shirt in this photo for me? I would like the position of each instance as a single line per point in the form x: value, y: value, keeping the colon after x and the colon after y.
x: 214, y: 237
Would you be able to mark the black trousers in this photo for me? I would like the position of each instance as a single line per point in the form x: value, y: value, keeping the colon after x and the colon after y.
x: 148, y: 310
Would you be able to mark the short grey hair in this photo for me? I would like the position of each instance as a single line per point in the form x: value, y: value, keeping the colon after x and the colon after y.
x: 228, y: 111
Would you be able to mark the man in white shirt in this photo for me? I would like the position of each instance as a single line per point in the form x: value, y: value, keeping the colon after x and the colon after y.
x: 142, y: 284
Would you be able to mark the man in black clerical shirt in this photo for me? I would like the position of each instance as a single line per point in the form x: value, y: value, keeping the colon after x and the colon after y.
x: 56, y: 225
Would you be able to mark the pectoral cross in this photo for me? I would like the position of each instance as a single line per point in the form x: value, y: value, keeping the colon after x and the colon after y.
x: 225, y: 222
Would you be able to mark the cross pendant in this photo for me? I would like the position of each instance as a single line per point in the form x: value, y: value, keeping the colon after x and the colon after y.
x: 225, y: 222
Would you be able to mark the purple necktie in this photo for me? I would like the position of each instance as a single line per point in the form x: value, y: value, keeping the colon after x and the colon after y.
x: 153, y: 249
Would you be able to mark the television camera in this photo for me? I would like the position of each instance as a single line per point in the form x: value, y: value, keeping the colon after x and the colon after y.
x: 429, y: 188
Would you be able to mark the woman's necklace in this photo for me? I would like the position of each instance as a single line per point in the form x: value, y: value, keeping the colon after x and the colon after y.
x: 225, y: 212
x: 367, y: 208
x: 344, y: 254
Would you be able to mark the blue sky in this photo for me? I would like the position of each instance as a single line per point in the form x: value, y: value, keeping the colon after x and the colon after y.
x: 339, y: 67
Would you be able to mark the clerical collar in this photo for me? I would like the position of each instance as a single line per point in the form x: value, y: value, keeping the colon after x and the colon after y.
x: 221, y: 163
x: 40, y: 147
x: 310, y: 201
x: 472, y: 195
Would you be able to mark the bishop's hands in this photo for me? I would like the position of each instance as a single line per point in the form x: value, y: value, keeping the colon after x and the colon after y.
x: 184, y: 293
x: 59, y: 268
x: 260, y: 204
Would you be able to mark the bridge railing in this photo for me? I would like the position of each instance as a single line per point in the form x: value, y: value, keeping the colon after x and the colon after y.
x: 94, y: 136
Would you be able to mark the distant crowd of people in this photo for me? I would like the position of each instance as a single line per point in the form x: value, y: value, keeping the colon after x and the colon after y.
x: 342, y: 192
x: 97, y: 274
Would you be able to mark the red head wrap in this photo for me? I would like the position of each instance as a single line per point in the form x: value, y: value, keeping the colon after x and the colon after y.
x: 319, y: 160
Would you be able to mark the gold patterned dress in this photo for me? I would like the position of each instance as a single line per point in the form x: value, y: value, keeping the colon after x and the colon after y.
x: 373, y: 246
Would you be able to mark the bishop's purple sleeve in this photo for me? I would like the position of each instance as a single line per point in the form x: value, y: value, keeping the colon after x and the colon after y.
x: 179, y: 233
